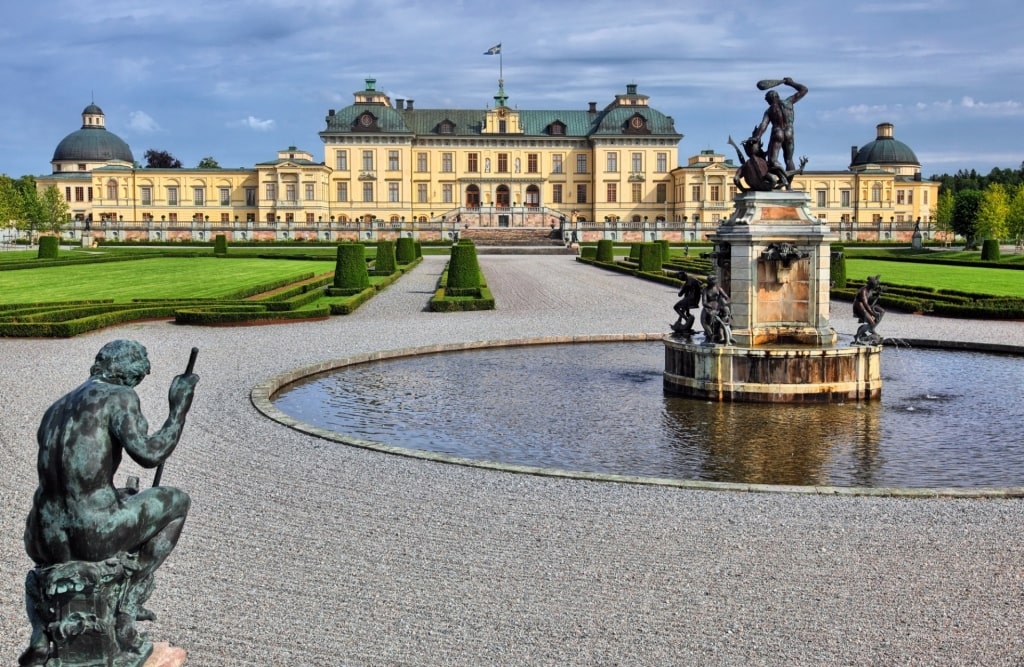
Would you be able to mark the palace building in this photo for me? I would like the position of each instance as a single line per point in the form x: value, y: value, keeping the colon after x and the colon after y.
x: 390, y: 168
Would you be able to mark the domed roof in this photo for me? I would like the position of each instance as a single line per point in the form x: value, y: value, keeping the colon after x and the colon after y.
x: 92, y: 144
x: 92, y: 109
x: 885, y: 149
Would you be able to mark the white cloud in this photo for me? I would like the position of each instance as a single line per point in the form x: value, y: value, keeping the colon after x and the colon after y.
x: 140, y: 121
x: 253, y: 123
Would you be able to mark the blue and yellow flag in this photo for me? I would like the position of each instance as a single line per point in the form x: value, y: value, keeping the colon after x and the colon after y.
x: 494, y: 50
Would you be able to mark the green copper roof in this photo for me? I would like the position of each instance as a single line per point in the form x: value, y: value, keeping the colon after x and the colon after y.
x: 885, y: 150
x: 92, y: 144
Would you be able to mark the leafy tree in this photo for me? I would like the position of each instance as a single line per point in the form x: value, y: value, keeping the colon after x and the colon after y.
x: 995, y: 206
x: 944, y: 210
x: 1015, y: 214
x: 208, y: 163
x: 965, y: 214
x: 161, y: 160
x: 54, y: 209
x: 10, y: 200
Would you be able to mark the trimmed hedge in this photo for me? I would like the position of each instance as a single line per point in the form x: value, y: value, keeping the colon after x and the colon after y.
x: 989, y: 250
x: 464, y: 269
x: 837, y: 267
x: 447, y: 299
x: 350, y: 267
x: 49, y: 247
x: 385, y: 263
x: 405, y: 250
x: 588, y: 252
x: 605, y: 251
x: 651, y: 255
x: 220, y: 244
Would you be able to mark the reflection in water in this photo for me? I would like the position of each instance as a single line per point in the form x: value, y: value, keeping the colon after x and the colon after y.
x: 600, y: 408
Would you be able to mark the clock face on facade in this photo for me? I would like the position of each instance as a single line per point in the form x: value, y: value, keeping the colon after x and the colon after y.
x: 501, y: 113
x: 366, y: 120
x: 637, y: 122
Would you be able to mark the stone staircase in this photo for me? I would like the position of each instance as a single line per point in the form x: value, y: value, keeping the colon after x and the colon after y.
x: 515, y: 240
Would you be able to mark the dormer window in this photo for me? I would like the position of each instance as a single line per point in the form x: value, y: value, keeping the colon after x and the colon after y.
x: 446, y: 127
x: 557, y: 128
x: 366, y: 122
x: 637, y: 124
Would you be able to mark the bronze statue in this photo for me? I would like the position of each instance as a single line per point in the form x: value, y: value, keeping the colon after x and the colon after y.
x: 690, y: 293
x: 96, y: 546
x: 868, y: 312
x: 716, y: 314
x: 779, y: 116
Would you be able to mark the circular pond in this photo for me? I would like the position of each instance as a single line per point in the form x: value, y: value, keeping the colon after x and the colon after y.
x: 946, y: 419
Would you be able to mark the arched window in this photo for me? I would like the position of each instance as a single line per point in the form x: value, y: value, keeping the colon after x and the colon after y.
x: 472, y: 196
x: 501, y: 195
x: 532, y: 196
x: 112, y: 190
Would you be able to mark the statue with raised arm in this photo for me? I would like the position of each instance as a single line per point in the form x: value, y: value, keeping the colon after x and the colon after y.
x: 868, y: 312
x: 779, y: 116
x: 97, y: 546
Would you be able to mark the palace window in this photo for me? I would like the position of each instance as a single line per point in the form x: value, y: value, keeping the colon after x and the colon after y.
x: 844, y: 197
x: 225, y: 217
x: 341, y: 160
x: 421, y: 193
x: 172, y: 217
x: 502, y: 163
x: 638, y: 192
x: 822, y: 198
x: 581, y: 193
x: 146, y: 195
x: 638, y: 162
x: 662, y: 162
x: 446, y: 163
x: 695, y: 193
x: 716, y: 193
x: 661, y: 193
x: 80, y: 194
x: 613, y: 162
x: 250, y: 196
x: 446, y: 193
x: 289, y: 192
x: 392, y: 160
x: 613, y: 192
x: 225, y: 196
x: 112, y: 189
x: 556, y: 193
x: 556, y: 163
x: 900, y: 198
x: 198, y: 196
x: 310, y: 191
x: 876, y: 192
x: 473, y: 162
x: 421, y: 162
x: 368, y: 191
x: 393, y: 192
x: 581, y: 164
x: 532, y: 163
x: 289, y: 217
x: 309, y: 217
x: 172, y: 195
x: 367, y: 160
x: 342, y: 191
x: 271, y: 191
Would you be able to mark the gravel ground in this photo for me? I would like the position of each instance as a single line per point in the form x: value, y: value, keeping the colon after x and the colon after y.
x: 302, y: 552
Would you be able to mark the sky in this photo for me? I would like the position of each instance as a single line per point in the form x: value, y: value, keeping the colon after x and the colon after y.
x: 239, y: 80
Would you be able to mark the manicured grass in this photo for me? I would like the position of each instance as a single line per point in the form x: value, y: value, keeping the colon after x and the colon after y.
x: 982, y: 280
x: 156, y: 278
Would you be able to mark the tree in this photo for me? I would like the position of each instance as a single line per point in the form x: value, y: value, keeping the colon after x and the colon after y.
x: 965, y: 214
x: 1015, y: 214
x: 161, y: 160
x: 54, y: 209
x: 944, y: 210
x: 995, y: 206
x: 208, y: 163
x: 10, y: 200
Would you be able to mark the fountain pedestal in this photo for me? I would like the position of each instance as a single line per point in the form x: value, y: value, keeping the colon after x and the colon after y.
x: 772, y: 258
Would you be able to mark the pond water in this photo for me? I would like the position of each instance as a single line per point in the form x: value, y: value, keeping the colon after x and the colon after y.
x: 946, y: 419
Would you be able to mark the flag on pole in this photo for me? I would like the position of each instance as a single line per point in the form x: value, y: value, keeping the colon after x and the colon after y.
x: 494, y: 50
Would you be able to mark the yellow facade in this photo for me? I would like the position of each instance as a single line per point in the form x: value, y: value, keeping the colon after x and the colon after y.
x: 391, y: 168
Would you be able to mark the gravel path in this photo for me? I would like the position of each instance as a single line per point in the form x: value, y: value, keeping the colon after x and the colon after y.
x: 300, y: 552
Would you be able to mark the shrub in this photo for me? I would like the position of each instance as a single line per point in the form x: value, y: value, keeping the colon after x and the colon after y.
x: 634, y: 252
x: 837, y: 267
x: 220, y: 244
x: 605, y: 251
x: 350, y: 269
x: 464, y: 270
x: 663, y: 244
x: 385, y: 263
x: 650, y: 257
x: 48, y: 247
x: 588, y: 252
x: 989, y: 249
x: 405, y: 250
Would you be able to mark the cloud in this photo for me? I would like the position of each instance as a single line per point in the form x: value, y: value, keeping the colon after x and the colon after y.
x: 253, y: 123
x: 140, y: 121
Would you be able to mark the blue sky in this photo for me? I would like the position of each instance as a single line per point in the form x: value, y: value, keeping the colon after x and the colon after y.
x: 239, y: 80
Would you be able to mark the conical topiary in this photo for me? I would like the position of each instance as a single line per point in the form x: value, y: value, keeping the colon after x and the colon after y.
x: 385, y: 263
x: 463, y: 269
x: 350, y: 268
x: 405, y: 250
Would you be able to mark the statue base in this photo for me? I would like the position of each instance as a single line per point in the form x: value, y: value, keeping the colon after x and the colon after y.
x: 165, y: 655
x: 84, y: 614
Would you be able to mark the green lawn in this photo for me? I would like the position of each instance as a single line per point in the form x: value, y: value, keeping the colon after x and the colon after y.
x: 157, y: 278
x: 997, y: 282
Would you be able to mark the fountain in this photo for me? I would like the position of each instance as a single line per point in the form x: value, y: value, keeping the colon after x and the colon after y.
x: 771, y: 261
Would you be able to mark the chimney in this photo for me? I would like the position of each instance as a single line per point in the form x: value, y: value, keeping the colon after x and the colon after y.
x: 631, y: 89
x: 330, y: 112
x: 593, y: 107
x: 399, y: 103
x: 408, y: 105
x: 853, y: 154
